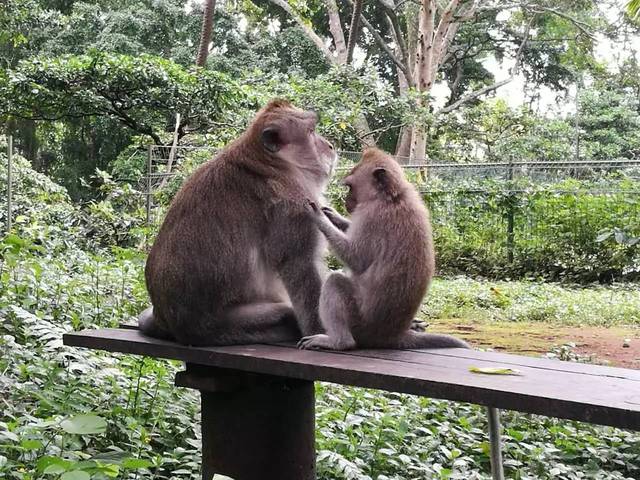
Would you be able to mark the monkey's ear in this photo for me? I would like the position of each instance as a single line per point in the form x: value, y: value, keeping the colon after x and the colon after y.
x: 385, y: 183
x: 271, y: 139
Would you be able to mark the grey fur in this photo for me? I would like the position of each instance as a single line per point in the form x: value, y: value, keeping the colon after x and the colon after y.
x: 237, y: 259
x: 388, y: 249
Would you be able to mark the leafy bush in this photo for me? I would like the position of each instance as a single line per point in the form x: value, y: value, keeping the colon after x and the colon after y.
x: 582, y: 230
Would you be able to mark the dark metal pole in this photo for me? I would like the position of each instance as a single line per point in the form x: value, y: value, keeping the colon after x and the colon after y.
x: 510, y: 214
x: 149, y: 167
x: 577, y: 119
x: 497, y: 471
x: 9, y: 182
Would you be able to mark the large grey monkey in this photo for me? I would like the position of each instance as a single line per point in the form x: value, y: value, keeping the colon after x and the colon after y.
x: 388, y: 249
x: 236, y: 259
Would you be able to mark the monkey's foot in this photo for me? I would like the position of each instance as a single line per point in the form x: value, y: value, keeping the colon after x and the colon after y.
x: 316, y: 342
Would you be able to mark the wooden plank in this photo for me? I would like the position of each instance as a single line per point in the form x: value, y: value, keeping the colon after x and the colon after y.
x: 505, y: 359
x: 609, y: 397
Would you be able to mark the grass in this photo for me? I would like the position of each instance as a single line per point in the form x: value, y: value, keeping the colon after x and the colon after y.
x: 530, y: 301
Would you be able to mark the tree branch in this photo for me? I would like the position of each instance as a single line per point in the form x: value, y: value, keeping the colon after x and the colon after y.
x: 392, y: 16
x: 580, y: 25
x: 383, y: 45
x: 489, y: 88
x: 306, y: 29
x: 399, y: 42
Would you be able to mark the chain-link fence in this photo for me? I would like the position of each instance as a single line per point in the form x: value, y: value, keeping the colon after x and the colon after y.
x: 575, y: 219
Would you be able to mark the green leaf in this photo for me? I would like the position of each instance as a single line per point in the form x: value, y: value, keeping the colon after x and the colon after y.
x: 50, y: 464
x: 54, y: 469
x: 31, y: 444
x: 134, y: 463
x: 84, y: 424
x: 495, y: 370
x: 75, y: 475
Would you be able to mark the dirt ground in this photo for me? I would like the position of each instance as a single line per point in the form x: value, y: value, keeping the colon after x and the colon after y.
x: 535, y: 339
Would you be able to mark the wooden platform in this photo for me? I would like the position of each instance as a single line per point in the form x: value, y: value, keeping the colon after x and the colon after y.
x: 594, y: 394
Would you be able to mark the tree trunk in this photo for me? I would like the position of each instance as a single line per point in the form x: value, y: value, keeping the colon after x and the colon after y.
x: 423, y: 71
x: 335, y: 26
x: 418, y: 145
x: 403, y: 146
x: 205, y: 32
x: 363, y: 130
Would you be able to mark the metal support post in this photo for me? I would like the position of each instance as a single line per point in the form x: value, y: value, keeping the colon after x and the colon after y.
x: 149, y: 185
x: 497, y: 470
x: 9, y: 182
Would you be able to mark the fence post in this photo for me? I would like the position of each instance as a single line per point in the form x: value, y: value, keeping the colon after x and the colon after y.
x: 497, y: 469
x: 510, y: 213
x: 148, y: 201
x: 9, y: 181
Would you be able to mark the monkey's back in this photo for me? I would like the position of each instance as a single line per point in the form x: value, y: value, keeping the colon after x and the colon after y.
x: 393, y: 287
x: 193, y: 265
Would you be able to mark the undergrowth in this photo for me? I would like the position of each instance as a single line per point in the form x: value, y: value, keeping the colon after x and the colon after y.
x: 74, y: 414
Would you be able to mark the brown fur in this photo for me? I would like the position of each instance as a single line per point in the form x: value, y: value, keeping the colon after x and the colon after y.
x: 388, y: 248
x: 236, y: 259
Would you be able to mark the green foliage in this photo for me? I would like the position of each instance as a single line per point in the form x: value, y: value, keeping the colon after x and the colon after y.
x: 368, y: 435
x: 557, y: 229
x: 607, y: 129
x: 143, y: 93
x: 131, y: 27
x: 633, y: 8
x: 73, y: 413
x: 609, y: 124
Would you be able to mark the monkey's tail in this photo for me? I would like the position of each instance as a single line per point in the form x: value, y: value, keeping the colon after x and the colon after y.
x: 148, y: 324
x: 413, y: 339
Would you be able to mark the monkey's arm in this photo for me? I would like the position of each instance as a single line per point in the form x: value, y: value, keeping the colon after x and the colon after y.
x: 334, y: 217
x: 339, y: 242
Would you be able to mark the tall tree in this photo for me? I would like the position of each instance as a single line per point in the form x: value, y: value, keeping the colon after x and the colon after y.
x: 205, y: 34
x: 427, y: 46
x: 436, y: 41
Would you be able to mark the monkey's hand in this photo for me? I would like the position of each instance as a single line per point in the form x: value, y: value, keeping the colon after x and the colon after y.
x: 322, y: 341
x: 312, y: 208
x: 318, y: 216
x: 334, y: 217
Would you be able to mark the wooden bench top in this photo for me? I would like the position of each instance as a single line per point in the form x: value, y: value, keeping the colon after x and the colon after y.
x: 590, y: 393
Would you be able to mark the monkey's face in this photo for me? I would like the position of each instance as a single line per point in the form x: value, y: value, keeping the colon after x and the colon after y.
x: 360, y: 188
x: 351, y: 201
x: 290, y: 134
x: 376, y: 177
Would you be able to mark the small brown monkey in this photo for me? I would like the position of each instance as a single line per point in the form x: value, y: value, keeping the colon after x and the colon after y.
x: 388, y: 248
x: 237, y: 257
